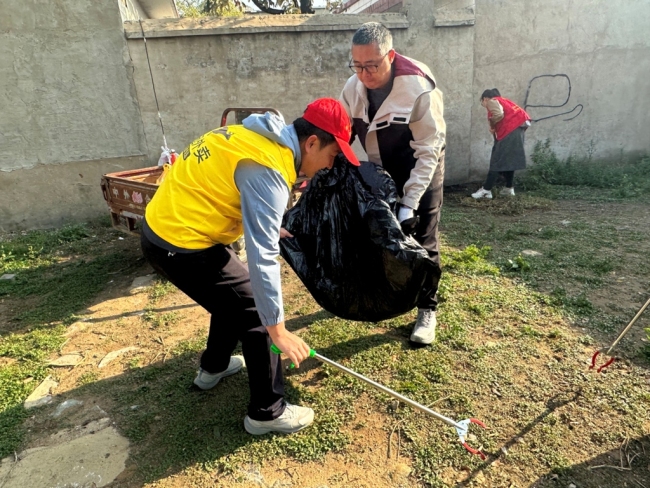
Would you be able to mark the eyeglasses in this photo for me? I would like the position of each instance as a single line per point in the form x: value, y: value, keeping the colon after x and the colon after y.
x: 370, y: 68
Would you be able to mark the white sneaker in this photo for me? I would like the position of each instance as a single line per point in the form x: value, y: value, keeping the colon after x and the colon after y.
x: 205, y: 380
x: 481, y: 193
x: 424, y: 331
x: 293, y: 419
x: 507, y: 192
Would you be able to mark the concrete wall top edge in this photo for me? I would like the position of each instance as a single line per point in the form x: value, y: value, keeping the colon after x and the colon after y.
x: 257, y: 24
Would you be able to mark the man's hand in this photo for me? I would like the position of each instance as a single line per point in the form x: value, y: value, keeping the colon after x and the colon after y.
x: 284, y: 233
x: 290, y: 344
x: 407, y: 219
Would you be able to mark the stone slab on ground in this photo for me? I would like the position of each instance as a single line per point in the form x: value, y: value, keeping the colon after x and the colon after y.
x: 63, y: 406
x: 111, y: 356
x: 9, y: 277
x: 87, y: 460
x: 530, y: 253
x: 41, y: 395
x: 66, y: 360
x: 74, y: 328
x: 141, y: 283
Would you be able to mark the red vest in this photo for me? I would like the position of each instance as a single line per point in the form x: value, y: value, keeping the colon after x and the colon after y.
x: 513, y: 116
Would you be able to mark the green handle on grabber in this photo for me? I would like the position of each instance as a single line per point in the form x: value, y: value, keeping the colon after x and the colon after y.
x: 276, y: 350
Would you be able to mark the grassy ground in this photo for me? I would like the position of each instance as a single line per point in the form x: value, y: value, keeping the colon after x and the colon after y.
x: 516, y: 334
x: 57, y: 274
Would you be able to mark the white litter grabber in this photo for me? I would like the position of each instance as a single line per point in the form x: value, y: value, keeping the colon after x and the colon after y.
x: 462, y: 426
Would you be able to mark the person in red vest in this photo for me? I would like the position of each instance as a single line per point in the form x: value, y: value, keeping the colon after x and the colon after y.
x: 508, y: 122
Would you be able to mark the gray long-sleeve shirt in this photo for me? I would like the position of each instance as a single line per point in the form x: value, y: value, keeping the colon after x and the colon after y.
x: 264, y: 197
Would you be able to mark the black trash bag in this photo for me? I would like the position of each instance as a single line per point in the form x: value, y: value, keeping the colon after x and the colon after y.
x: 348, y: 248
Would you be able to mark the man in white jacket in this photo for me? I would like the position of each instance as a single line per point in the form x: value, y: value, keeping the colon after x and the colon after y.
x: 397, y: 113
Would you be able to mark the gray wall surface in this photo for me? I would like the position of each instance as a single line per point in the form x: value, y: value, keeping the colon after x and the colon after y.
x: 604, y: 48
x: 471, y: 45
x: 77, y: 103
x: 66, y: 98
x: 198, y: 76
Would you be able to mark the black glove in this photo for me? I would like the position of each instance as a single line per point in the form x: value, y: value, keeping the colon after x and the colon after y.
x: 407, y: 219
x: 409, y: 225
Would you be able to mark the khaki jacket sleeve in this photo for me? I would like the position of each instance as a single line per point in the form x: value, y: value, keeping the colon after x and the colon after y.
x: 496, y: 110
x: 428, y: 128
x: 349, y: 99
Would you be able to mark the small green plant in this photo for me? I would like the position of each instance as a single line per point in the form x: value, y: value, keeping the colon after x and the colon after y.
x: 72, y: 233
x: 160, y: 289
x: 519, y: 264
x: 87, y: 378
x: 6, y: 255
x: 134, y: 362
x: 529, y: 331
x: 471, y: 260
x: 586, y: 340
x: 160, y: 319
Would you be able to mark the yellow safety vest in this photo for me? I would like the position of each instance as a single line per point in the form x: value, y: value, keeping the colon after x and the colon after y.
x: 198, y: 204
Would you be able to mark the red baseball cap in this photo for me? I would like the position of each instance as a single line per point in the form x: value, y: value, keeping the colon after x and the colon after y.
x: 329, y: 115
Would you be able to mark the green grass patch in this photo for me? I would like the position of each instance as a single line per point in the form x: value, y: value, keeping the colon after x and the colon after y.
x: 470, y: 261
x: 59, y: 273
x: 160, y: 289
x: 33, y: 346
x: 604, y: 179
x: 156, y: 320
x: 570, y: 257
x: 61, y: 270
x: 505, y: 353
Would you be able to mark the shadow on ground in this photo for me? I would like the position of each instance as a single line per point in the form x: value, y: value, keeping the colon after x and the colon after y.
x: 628, y: 466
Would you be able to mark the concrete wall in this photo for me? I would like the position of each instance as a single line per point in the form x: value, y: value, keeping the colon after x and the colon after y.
x: 197, y: 77
x: 470, y: 45
x: 200, y: 69
x: 69, y: 111
x: 81, y: 104
x: 449, y: 52
x: 604, y: 48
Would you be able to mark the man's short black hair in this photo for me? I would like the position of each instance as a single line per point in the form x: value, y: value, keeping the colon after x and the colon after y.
x: 305, y: 129
x: 491, y: 93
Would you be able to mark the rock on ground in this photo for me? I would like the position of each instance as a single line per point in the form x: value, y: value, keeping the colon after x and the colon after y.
x: 112, y: 355
x: 41, y: 395
x: 76, y: 459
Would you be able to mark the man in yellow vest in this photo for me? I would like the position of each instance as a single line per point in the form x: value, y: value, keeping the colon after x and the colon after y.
x: 236, y: 180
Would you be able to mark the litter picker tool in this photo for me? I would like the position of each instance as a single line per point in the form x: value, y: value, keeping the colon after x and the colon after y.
x: 620, y: 336
x: 167, y: 155
x: 462, y: 426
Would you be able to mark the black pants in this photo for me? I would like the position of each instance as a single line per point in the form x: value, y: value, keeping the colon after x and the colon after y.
x: 426, y: 232
x: 218, y: 281
x: 492, y: 178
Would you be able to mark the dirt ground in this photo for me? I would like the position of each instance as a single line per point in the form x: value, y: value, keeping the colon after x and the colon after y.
x: 116, y: 321
x: 627, y: 288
